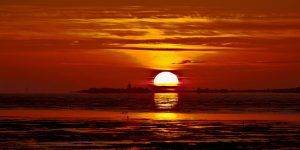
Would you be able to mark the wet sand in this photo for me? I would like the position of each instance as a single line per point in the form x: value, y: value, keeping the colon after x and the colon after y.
x: 113, y: 115
x: 84, y: 129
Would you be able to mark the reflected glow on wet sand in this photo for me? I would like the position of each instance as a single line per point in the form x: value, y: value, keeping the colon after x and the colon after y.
x: 110, y: 115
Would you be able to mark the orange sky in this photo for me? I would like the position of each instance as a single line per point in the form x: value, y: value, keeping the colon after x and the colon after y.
x: 60, y: 46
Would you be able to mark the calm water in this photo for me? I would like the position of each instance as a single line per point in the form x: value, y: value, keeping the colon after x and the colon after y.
x: 161, y: 120
x: 189, y: 102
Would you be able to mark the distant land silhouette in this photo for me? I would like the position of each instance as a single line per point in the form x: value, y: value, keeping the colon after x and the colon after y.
x: 130, y: 89
x: 284, y: 90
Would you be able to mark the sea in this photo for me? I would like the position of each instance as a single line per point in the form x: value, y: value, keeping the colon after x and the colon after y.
x: 150, y: 121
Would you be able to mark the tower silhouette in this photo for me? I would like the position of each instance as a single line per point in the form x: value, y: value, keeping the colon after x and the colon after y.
x: 129, y: 86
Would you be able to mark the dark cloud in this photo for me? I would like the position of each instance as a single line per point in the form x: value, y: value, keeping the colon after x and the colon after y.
x: 183, y: 62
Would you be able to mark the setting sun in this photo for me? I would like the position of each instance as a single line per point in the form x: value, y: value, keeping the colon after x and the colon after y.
x: 166, y: 79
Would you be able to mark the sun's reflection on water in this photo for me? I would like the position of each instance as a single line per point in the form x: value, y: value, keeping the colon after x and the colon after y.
x: 165, y: 101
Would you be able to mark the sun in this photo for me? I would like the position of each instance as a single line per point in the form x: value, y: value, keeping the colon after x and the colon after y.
x: 166, y: 79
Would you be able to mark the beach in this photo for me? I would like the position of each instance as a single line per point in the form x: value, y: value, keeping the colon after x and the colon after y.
x: 47, y: 127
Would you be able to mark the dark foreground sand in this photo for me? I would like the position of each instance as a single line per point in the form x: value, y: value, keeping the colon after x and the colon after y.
x: 46, y: 129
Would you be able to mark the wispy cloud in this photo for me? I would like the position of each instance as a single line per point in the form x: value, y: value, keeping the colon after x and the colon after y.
x: 106, y: 28
x: 85, y: 29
